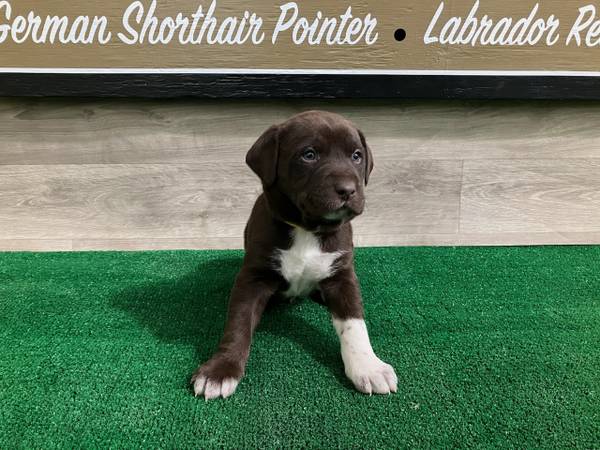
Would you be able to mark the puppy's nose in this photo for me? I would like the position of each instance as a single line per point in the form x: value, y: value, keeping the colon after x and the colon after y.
x: 345, y: 189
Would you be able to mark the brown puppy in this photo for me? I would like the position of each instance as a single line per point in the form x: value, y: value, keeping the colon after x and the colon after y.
x: 298, y: 242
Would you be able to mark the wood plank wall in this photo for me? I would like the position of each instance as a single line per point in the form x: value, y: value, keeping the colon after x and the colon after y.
x: 89, y: 174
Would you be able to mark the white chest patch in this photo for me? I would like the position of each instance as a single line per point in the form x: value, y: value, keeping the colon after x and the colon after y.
x: 305, y: 264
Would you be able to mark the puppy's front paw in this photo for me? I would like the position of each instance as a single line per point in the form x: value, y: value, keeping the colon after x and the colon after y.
x: 371, y: 375
x: 218, y: 377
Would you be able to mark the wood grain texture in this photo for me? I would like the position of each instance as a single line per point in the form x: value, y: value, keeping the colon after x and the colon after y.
x: 541, y: 196
x: 412, y: 197
x: 143, y: 174
x: 36, y: 245
x: 478, y: 239
x: 124, y: 201
x: 65, y: 131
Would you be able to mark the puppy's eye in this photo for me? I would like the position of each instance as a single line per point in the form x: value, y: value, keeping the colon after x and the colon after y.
x: 357, y: 156
x: 309, y: 154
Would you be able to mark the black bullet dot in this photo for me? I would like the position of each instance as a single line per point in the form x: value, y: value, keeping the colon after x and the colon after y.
x: 400, y: 34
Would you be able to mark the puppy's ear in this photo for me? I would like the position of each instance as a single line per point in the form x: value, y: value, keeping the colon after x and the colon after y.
x: 368, y: 157
x: 264, y: 154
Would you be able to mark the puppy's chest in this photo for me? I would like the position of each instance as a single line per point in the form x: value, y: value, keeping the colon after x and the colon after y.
x: 304, y: 264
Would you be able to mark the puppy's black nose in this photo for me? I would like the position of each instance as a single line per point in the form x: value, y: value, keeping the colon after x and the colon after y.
x: 345, y: 189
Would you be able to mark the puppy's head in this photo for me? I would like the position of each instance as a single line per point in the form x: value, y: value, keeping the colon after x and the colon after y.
x: 314, y: 168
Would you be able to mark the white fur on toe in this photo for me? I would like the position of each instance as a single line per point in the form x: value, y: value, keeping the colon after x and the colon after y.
x: 367, y: 372
x: 228, y: 387
x: 212, y: 389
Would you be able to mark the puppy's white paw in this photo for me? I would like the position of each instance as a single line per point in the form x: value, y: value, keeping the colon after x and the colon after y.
x: 212, y: 389
x: 368, y: 373
x: 371, y: 375
x: 218, y: 377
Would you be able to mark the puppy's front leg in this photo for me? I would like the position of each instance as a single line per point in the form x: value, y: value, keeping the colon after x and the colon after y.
x: 367, y: 372
x: 219, y: 376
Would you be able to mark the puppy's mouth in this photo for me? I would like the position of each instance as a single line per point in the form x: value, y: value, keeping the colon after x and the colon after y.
x: 327, y: 214
x: 338, y: 216
x: 331, y: 220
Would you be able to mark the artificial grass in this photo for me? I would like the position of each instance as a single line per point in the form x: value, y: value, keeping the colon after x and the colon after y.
x: 493, y: 347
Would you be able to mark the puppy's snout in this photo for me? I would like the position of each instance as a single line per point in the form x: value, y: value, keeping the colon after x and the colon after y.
x: 345, y: 189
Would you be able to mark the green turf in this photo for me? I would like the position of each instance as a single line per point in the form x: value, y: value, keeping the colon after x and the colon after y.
x: 494, y: 347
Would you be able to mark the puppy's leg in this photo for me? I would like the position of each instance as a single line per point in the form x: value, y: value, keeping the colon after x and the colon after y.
x: 220, y: 375
x: 366, y: 371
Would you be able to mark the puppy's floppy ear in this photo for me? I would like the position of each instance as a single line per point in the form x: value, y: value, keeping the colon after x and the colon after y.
x: 368, y: 157
x: 264, y: 154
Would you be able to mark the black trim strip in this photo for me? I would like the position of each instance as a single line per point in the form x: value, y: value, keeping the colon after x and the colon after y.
x: 300, y: 86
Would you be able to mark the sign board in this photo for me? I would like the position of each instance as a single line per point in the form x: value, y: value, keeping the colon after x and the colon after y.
x: 353, y: 48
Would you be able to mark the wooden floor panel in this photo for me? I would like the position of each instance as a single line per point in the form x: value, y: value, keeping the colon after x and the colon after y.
x: 531, y: 196
x: 90, y: 174
x: 123, y: 201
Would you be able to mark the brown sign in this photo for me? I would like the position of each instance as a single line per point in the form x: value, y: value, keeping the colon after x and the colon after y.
x: 329, y: 36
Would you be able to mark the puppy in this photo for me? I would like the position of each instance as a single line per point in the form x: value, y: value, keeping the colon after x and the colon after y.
x: 298, y: 242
